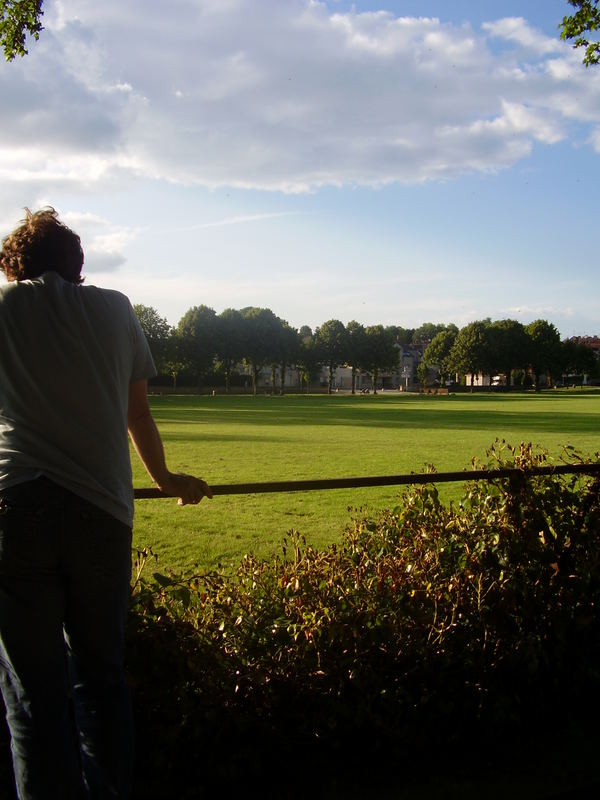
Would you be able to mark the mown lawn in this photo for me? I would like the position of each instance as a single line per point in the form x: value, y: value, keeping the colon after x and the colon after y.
x: 242, y: 438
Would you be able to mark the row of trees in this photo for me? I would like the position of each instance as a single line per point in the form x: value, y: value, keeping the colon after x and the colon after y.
x: 505, y: 347
x: 204, y: 343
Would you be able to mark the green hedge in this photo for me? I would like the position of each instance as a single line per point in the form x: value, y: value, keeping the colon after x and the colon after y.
x: 431, y: 630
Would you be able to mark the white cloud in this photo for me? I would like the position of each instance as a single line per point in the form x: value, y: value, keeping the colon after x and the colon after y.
x: 517, y: 30
x: 280, y: 96
x: 540, y: 311
x: 102, y: 261
x: 102, y: 241
x: 514, y: 120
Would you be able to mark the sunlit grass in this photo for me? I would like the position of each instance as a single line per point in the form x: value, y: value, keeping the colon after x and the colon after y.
x: 243, y: 438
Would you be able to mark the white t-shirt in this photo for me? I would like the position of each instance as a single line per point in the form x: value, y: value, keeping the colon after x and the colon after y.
x: 67, y: 356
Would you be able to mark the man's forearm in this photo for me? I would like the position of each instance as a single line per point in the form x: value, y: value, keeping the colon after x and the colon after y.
x: 148, y: 445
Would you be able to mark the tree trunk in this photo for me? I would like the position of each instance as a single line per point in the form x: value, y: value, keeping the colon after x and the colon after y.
x: 353, y: 379
x: 282, y: 379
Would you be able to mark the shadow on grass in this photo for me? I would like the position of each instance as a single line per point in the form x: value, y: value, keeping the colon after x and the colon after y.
x: 194, y: 426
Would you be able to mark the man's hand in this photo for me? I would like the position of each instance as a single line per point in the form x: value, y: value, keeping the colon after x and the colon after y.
x: 187, y: 488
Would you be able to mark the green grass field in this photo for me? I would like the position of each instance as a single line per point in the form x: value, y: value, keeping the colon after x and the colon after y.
x: 242, y: 438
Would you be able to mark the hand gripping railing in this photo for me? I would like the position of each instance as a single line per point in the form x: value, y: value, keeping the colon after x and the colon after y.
x: 383, y: 480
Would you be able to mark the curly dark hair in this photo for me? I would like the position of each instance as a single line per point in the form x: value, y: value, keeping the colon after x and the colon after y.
x: 41, y: 243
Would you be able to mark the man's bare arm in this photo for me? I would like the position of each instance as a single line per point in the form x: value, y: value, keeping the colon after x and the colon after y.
x: 148, y: 445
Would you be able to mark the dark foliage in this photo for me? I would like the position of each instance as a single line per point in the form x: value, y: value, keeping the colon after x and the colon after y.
x: 432, y: 631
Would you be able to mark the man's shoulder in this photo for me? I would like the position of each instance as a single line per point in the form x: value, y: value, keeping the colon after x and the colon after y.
x: 5, y: 288
x: 110, y: 295
x: 52, y: 290
x: 10, y: 291
x: 98, y: 296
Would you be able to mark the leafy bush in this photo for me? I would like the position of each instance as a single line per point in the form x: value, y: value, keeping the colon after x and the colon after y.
x: 431, y: 627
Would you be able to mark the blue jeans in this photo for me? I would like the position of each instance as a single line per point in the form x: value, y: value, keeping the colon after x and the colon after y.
x: 65, y: 568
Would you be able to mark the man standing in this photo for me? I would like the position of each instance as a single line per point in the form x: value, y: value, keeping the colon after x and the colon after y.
x: 74, y: 365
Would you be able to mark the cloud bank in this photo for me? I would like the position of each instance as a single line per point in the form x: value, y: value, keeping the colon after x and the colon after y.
x: 283, y: 96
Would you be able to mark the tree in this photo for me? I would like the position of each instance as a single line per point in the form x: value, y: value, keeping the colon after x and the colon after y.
x: 198, y: 333
x: 157, y: 332
x: 18, y: 19
x: 262, y: 327
x: 577, y: 359
x: 331, y: 341
x: 286, y: 346
x: 230, y: 341
x: 436, y: 354
x: 544, y: 353
x: 472, y: 351
x: 307, y: 359
x: 380, y: 352
x: 355, y: 340
x: 576, y: 26
x: 422, y: 373
x: 176, y: 360
x: 510, y: 347
x: 423, y: 335
x: 403, y: 336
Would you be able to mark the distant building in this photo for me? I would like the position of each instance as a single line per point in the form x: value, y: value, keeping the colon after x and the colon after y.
x: 403, y: 377
x: 593, y: 342
x: 410, y: 358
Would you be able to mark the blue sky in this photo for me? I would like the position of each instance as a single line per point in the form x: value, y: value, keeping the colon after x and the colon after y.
x: 389, y: 162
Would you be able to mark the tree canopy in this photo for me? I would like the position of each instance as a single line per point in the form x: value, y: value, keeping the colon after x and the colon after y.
x: 577, y: 359
x: 307, y: 361
x: 261, y: 330
x: 578, y: 26
x: 437, y: 353
x: 158, y: 333
x: 544, y: 353
x: 331, y: 339
x: 511, y: 346
x: 380, y: 352
x: 230, y: 337
x: 197, y: 329
x: 18, y: 20
x: 425, y: 334
x: 471, y: 352
x: 355, y: 348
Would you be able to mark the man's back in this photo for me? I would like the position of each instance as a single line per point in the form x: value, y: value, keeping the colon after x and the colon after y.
x: 68, y: 354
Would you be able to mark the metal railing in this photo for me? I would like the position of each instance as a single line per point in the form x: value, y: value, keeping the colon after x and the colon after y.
x: 384, y: 480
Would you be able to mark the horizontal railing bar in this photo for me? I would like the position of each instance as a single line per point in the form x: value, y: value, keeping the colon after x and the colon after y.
x: 382, y: 480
